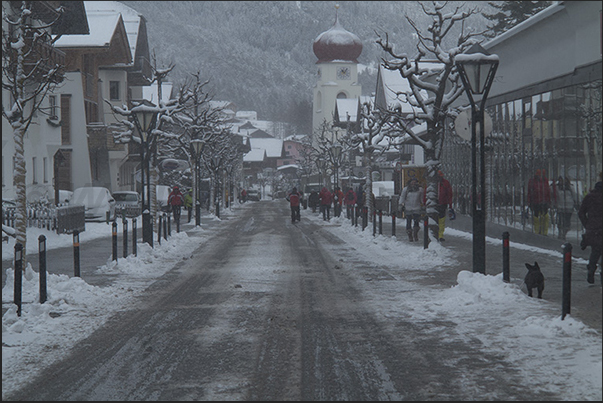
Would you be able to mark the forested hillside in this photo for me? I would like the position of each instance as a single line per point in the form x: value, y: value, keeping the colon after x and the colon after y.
x: 259, y: 55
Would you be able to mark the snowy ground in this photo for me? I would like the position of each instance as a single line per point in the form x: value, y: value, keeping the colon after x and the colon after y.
x: 558, y: 356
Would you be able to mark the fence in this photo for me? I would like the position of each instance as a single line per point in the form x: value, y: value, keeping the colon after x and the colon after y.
x: 63, y: 219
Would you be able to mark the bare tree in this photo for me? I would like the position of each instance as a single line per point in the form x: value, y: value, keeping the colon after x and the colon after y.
x: 434, y: 86
x: 29, y: 72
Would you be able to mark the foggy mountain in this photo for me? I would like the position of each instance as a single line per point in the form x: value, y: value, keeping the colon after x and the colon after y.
x: 258, y: 54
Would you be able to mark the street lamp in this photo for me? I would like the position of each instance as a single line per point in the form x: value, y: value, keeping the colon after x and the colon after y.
x: 476, y: 69
x: 198, y: 146
x: 336, y: 150
x: 145, y: 116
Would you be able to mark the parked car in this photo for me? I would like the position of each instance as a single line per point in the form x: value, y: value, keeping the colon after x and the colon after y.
x: 253, y: 195
x: 97, y: 201
x: 127, y: 202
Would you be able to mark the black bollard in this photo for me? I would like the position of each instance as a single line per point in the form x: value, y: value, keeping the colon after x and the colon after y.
x: 393, y: 223
x: 567, y: 280
x: 364, y: 217
x: 134, y: 251
x: 374, y: 222
x: 114, y: 238
x: 125, y: 229
x: 426, y: 232
x: 167, y: 226
x: 356, y: 214
x: 380, y: 222
x: 17, y: 296
x: 161, y: 219
x: 76, y: 253
x: 505, y: 268
x: 42, y: 267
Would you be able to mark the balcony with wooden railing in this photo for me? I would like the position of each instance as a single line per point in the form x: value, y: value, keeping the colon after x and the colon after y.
x: 41, y: 58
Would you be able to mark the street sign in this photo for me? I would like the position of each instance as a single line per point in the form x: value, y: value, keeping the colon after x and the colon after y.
x: 462, y: 125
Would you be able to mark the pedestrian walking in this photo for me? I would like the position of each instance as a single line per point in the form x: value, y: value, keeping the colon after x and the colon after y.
x: 294, y: 199
x: 411, y: 204
x: 188, y: 203
x: 175, y: 201
x: 444, y: 203
x: 314, y: 200
x: 591, y: 217
x: 325, y: 203
x: 539, y: 199
x: 349, y: 200
x: 337, y: 201
x: 565, y: 202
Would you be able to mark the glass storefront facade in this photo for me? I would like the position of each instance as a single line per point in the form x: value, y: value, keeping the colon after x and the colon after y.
x: 557, y: 131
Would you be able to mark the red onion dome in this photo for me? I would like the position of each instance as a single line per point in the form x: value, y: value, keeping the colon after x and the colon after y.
x: 337, y: 44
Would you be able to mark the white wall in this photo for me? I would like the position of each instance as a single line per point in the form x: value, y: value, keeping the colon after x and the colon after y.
x: 80, y: 172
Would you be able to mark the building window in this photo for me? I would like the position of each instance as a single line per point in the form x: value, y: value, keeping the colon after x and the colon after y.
x: 33, y: 170
x: 114, y: 90
x: 45, y: 169
x: 52, y: 102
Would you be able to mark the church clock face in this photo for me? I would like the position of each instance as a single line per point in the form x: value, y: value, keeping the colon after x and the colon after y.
x: 343, y: 73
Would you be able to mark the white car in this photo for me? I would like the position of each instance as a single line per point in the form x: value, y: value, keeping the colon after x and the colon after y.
x: 97, y: 201
x: 128, y: 202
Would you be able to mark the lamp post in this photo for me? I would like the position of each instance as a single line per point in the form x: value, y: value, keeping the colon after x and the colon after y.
x: 145, y: 116
x: 198, y: 146
x: 476, y: 69
x: 336, y: 150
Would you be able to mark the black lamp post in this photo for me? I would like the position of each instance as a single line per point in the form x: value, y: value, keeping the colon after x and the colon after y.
x: 198, y: 146
x: 336, y: 150
x: 476, y: 69
x: 145, y: 115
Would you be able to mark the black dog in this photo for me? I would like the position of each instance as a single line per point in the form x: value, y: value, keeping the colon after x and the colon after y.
x: 534, y: 279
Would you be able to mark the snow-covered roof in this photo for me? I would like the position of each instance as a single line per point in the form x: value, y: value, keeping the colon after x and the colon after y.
x: 273, y: 147
x: 392, y: 83
x: 255, y: 155
x: 247, y: 115
x: 543, y: 14
x: 295, y: 137
x: 130, y: 16
x: 102, y: 27
x: 288, y: 166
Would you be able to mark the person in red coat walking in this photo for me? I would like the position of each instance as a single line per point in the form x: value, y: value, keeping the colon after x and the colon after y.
x: 539, y: 200
x: 325, y: 203
x: 444, y: 203
x: 294, y: 199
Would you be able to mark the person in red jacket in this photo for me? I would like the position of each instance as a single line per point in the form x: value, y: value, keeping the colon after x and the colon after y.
x: 539, y: 199
x: 294, y: 198
x: 325, y: 203
x: 337, y: 201
x: 444, y: 203
x: 349, y: 200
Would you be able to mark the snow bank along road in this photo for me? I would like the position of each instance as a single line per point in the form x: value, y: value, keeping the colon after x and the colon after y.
x: 269, y: 310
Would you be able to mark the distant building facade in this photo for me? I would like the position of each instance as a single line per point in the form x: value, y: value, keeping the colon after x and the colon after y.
x: 545, y: 105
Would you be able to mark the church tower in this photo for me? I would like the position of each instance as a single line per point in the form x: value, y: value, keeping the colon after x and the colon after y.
x: 337, y: 51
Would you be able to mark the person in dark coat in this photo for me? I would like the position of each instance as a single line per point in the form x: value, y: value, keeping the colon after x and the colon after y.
x: 313, y: 200
x: 325, y: 203
x: 591, y: 216
x: 349, y: 201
